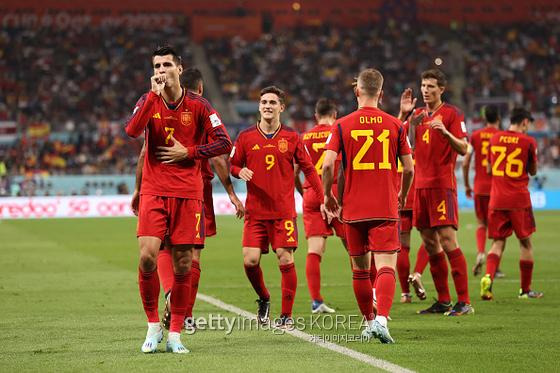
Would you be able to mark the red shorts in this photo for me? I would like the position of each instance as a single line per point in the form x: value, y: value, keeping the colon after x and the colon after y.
x: 375, y: 235
x: 501, y: 223
x: 209, y: 217
x: 406, y: 221
x: 278, y: 233
x: 180, y: 218
x: 481, y: 207
x: 435, y: 208
x: 313, y: 222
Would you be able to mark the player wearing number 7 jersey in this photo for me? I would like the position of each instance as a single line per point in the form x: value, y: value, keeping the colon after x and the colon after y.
x: 171, y: 196
x: 370, y: 142
x: 440, y: 136
x: 264, y: 156
x: 513, y: 157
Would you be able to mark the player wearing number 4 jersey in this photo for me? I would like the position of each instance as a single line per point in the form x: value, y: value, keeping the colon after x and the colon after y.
x: 173, y: 120
x: 440, y: 136
x: 480, y: 140
x: 264, y: 156
x: 318, y: 229
x: 513, y: 157
x: 370, y: 142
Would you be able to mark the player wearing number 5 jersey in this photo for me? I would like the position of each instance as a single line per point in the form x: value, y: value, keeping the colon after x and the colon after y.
x: 264, y: 156
x: 513, y: 157
x: 439, y: 137
x: 174, y: 122
x: 370, y: 142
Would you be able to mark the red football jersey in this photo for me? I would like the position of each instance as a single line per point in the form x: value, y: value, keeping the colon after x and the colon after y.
x: 270, y: 193
x: 370, y: 141
x: 510, y: 155
x: 480, y: 140
x: 191, y: 116
x: 205, y: 168
x: 435, y: 158
x: 410, y: 197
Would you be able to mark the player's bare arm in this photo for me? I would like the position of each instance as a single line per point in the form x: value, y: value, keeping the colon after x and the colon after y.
x: 459, y: 145
x: 221, y: 168
x: 331, y: 204
x: 466, y: 168
x: 407, y: 177
x: 298, y: 184
x: 172, y: 154
x: 138, y: 182
x: 532, y: 168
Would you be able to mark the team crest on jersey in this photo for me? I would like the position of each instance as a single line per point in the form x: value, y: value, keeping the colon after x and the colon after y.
x: 283, y: 145
x: 186, y: 118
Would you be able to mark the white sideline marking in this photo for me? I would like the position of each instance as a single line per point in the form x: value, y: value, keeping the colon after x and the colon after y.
x: 370, y: 360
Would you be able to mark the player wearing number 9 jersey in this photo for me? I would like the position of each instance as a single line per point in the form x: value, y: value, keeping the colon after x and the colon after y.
x: 264, y: 156
x: 370, y: 142
x: 174, y: 121
x: 513, y: 157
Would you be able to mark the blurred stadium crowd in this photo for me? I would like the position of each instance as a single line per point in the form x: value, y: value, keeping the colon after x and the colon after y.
x: 69, y: 91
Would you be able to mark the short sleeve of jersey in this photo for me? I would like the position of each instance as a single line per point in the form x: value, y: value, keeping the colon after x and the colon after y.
x: 532, y: 151
x: 333, y: 141
x: 457, y: 126
x: 404, y: 145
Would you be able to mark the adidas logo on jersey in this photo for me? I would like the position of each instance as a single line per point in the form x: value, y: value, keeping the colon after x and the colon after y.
x: 256, y: 147
x: 156, y: 116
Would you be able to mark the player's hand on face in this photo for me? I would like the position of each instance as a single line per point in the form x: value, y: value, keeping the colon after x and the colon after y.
x: 246, y: 174
x: 417, y: 119
x: 239, y: 208
x: 408, y: 102
x: 158, y: 83
x: 468, y: 192
x: 135, y: 202
x: 171, y: 154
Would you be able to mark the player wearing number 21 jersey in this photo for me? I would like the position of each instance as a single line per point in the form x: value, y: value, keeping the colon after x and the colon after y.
x: 370, y: 142
x: 513, y: 157
x: 264, y: 156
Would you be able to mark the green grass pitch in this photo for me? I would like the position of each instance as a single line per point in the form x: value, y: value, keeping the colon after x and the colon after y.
x: 70, y: 302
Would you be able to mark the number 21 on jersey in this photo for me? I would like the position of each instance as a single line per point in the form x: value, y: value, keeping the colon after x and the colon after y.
x: 383, y: 138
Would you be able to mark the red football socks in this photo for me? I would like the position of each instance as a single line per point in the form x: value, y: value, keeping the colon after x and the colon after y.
x: 193, y: 288
x: 179, y: 299
x: 255, y: 276
x: 289, y: 286
x: 422, y: 259
x: 362, y: 290
x: 148, y: 282
x: 313, y: 274
x: 165, y: 269
x: 492, y: 263
x: 439, y: 270
x: 372, y: 272
x: 481, y: 239
x: 385, y: 290
x: 459, y: 274
x: 403, y: 268
x: 526, y: 269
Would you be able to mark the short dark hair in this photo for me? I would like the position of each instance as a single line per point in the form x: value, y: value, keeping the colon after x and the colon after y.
x: 491, y: 113
x: 518, y: 114
x: 325, y: 106
x: 436, y: 74
x: 192, y: 78
x: 277, y: 91
x: 370, y: 81
x: 164, y: 51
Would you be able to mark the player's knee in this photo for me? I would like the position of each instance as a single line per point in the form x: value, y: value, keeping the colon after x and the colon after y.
x: 250, y: 261
x: 182, y: 264
x: 148, y: 261
x: 525, y: 244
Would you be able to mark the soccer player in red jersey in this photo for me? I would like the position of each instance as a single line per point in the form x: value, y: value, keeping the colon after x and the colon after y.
x: 513, y: 157
x: 480, y: 140
x: 370, y: 142
x: 264, y: 156
x: 403, y: 258
x: 193, y: 82
x: 174, y: 122
x: 439, y: 137
x: 317, y: 229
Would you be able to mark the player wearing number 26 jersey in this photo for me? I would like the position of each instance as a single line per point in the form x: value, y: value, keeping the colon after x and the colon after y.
x: 264, y: 156
x: 370, y: 142
x: 513, y: 157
